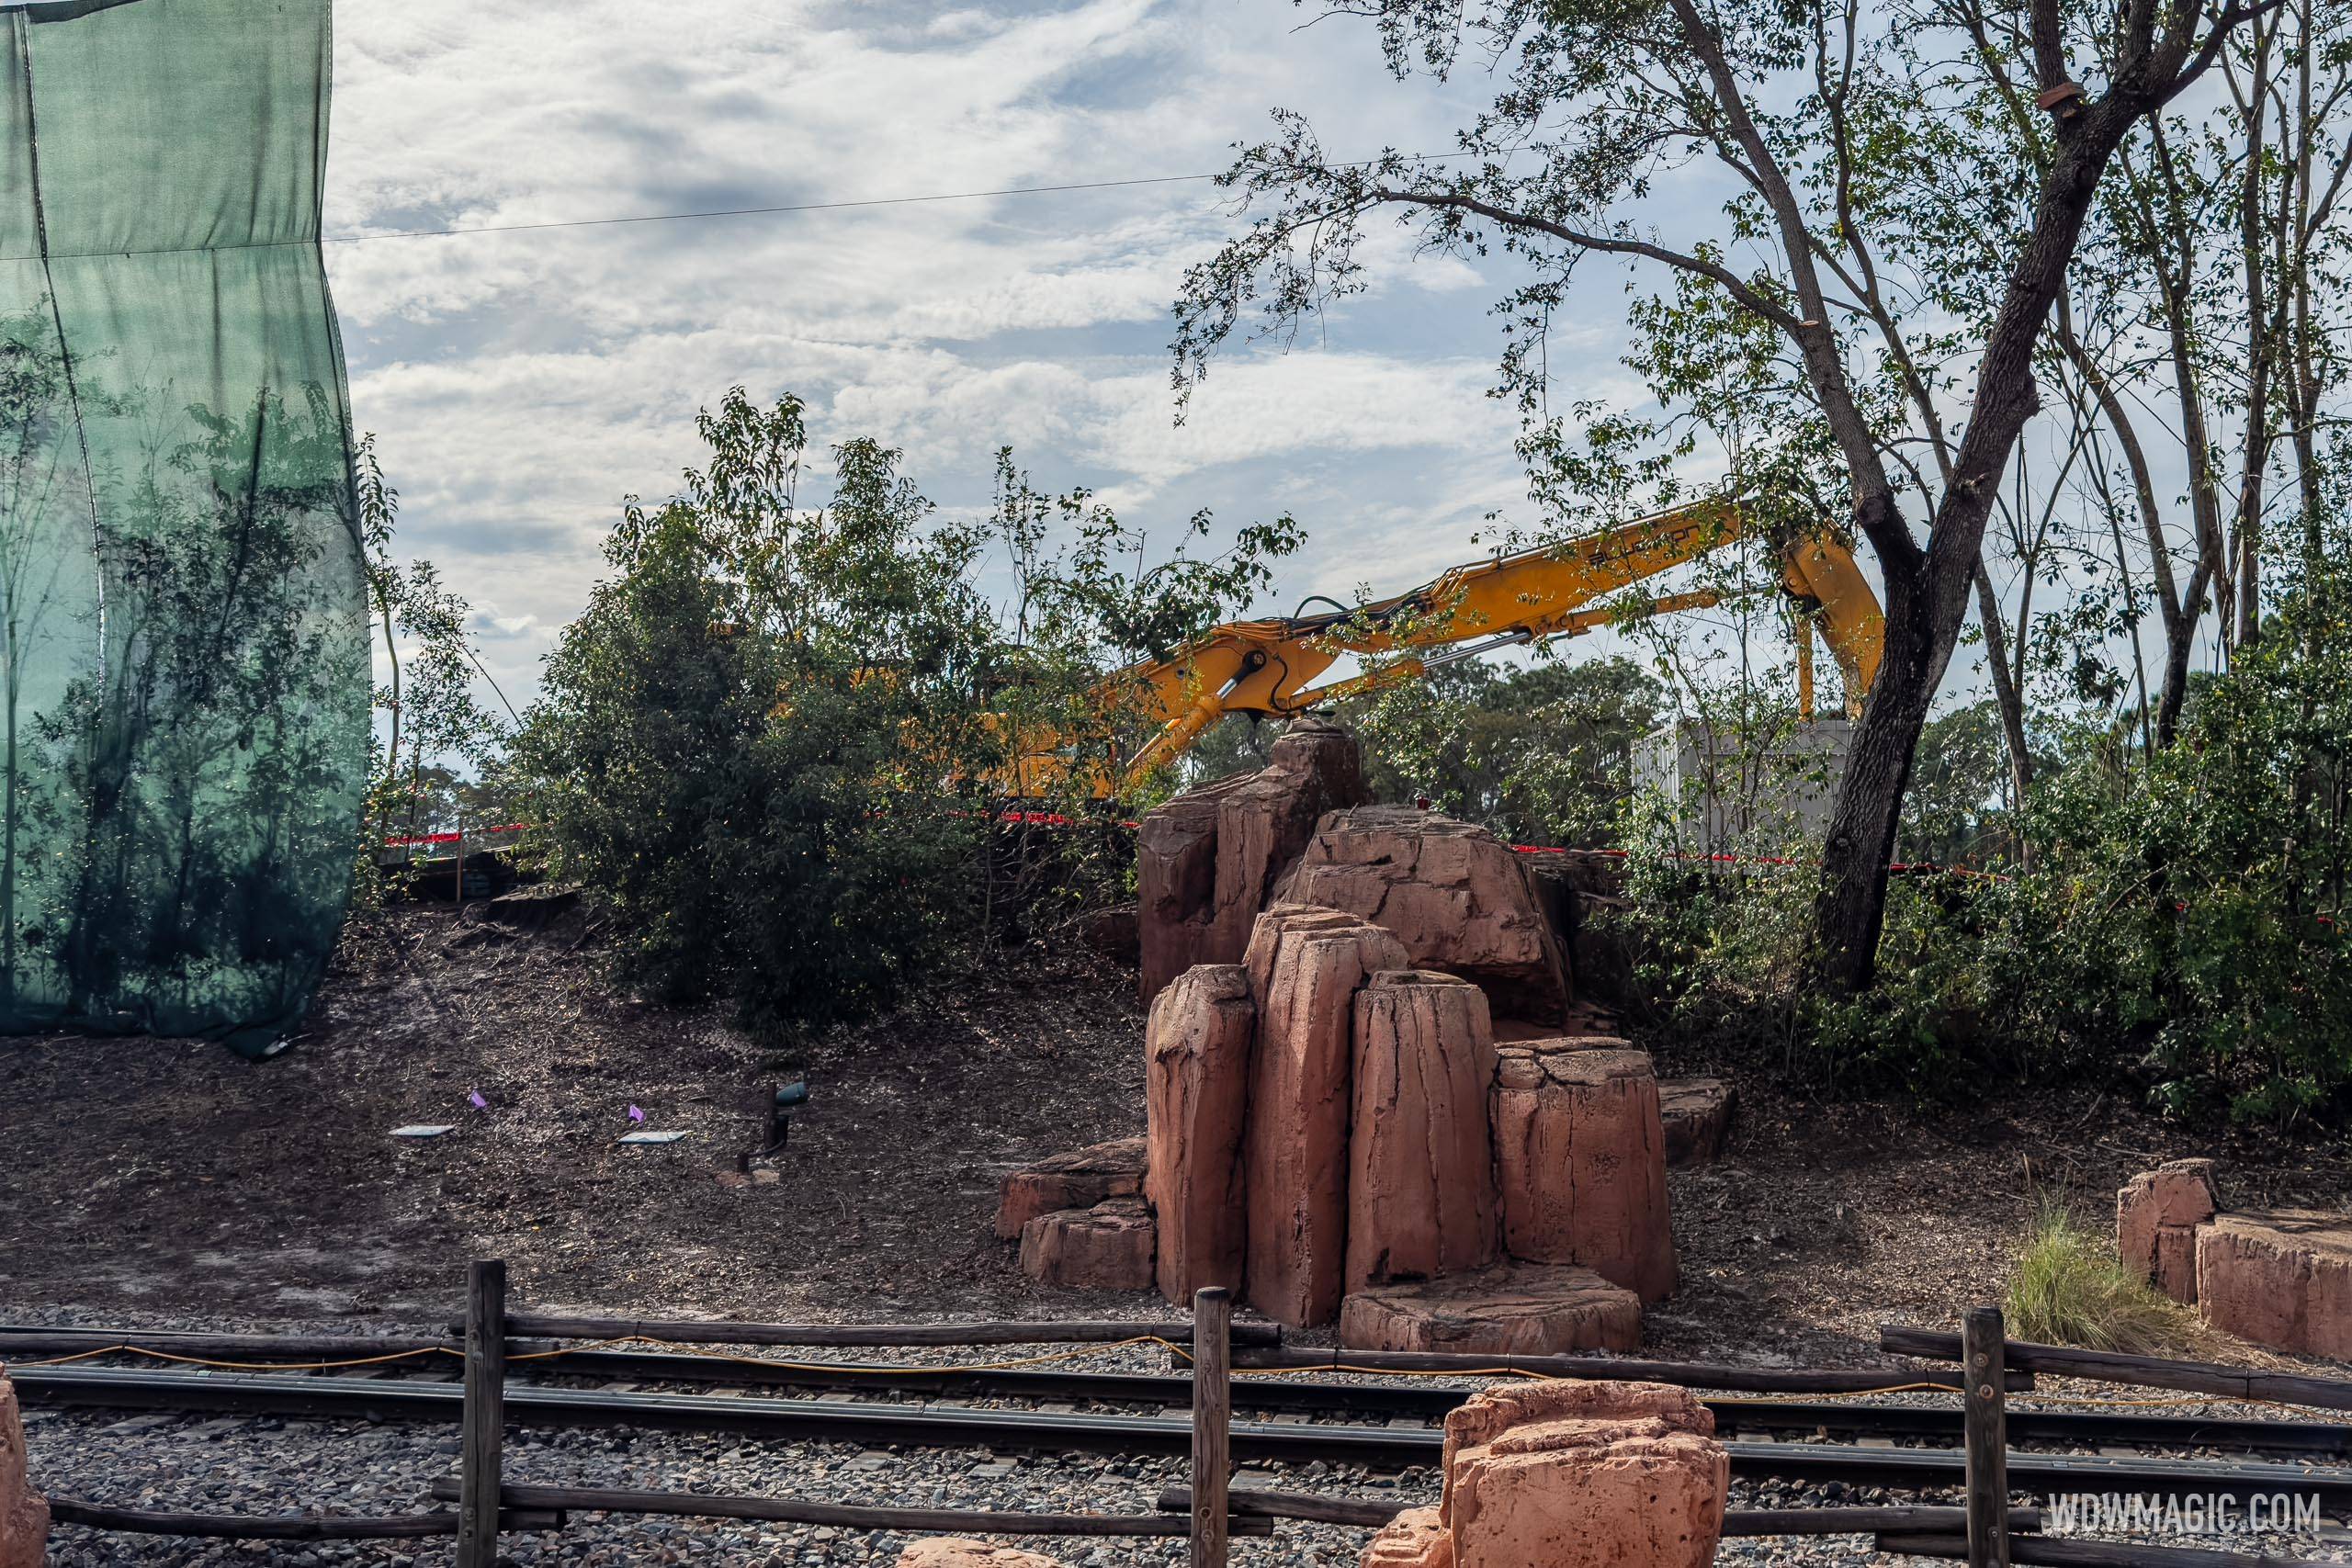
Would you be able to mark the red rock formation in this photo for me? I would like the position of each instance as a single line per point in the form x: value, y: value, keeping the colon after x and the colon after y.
x: 2156, y: 1216
x: 1264, y: 824
x: 1583, y: 1475
x: 1116, y: 933
x: 1414, y: 1538
x: 1176, y: 885
x: 1305, y: 966
x: 946, y: 1551
x: 1695, y: 1113
x: 1581, y: 1158
x: 23, y: 1516
x: 1511, y: 1309
x: 1420, y: 1165
x: 1197, y: 1049
x: 1106, y: 1248
x: 1453, y: 894
x: 1079, y: 1179
x: 1206, y: 861
x: 2279, y: 1276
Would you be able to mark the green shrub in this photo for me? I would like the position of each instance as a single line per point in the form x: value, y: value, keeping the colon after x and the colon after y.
x: 2173, y: 926
x: 2069, y: 1288
x: 772, y: 742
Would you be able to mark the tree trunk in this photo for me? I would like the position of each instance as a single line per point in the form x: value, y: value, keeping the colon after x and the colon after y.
x: 1927, y: 605
x: 1851, y: 904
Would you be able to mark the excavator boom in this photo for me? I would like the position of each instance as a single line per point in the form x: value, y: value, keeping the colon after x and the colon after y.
x: 1268, y: 666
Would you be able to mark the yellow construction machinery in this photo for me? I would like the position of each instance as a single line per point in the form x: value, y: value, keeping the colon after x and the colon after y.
x: 1264, y: 666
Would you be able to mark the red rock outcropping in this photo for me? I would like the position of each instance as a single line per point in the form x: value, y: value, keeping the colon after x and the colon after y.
x: 2156, y: 1216
x: 1304, y: 968
x: 1176, y: 886
x: 1695, y: 1115
x: 1079, y: 1179
x: 1420, y: 1165
x: 1197, y: 1092
x: 1207, y: 861
x: 1414, y: 1538
x: 23, y: 1516
x: 1106, y: 1248
x: 1509, y: 1309
x: 1581, y: 1158
x: 1330, y: 1116
x: 1583, y: 1475
x: 1452, y: 892
x: 2279, y: 1276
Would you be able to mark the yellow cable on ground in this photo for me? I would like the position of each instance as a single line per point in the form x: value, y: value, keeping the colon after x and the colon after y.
x: 237, y: 1366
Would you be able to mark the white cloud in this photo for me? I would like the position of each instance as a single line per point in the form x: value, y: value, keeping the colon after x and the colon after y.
x: 523, y: 382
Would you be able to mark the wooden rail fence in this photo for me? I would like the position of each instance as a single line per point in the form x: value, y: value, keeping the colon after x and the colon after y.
x: 1986, y: 1532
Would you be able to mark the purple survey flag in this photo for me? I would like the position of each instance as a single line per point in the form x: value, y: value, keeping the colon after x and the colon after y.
x: 635, y: 1114
x: 474, y: 1095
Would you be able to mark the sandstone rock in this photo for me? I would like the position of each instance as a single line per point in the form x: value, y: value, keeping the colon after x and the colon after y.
x: 2279, y: 1276
x: 1264, y: 823
x: 1305, y: 966
x: 1176, y: 885
x: 1206, y: 863
x: 1197, y: 1048
x: 1582, y: 892
x: 1694, y: 1113
x: 1583, y: 1475
x: 1421, y: 1163
x: 1414, y: 1538
x: 1116, y: 933
x: 2156, y: 1216
x: 946, y: 1551
x: 24, y: 1515
x: 1581, y: 1156
x: 1277, y: 923
x: 1453, y: 893
x: 1106, y: 1248
x: 1509, y: 1309
x: 1079, y: 1179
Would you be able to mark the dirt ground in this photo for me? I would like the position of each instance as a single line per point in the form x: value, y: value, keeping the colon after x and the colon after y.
x: 164, y: 1177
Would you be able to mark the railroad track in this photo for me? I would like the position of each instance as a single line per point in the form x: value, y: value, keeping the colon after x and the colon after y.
x: 884, y: 1423
x: 2317, y: 1439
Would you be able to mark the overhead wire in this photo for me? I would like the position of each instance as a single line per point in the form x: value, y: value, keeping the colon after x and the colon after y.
x: 697, y: 215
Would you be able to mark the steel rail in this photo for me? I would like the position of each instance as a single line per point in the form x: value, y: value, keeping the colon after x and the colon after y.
x: 935, y: 1425
x: 2076, y: 1428
x: 2071, y: 1427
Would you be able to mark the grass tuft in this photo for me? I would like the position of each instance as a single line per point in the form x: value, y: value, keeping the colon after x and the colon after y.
x: 2070, y: 1289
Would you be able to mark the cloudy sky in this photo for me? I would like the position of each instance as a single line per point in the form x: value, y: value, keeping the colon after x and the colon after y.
x: 521, y: 383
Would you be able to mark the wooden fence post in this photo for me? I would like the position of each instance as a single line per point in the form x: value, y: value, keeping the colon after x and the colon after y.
x: 1212, y: 1422
x: 1983, y: 1361
x: 485, y: 1415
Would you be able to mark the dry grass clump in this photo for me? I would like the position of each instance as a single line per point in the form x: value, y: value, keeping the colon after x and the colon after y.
x: 2070, y: 1288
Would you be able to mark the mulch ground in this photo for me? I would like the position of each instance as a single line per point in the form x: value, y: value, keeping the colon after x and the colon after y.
x: 163, y: 1175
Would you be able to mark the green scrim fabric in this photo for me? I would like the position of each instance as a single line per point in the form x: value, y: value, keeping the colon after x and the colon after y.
x: 183, y: 651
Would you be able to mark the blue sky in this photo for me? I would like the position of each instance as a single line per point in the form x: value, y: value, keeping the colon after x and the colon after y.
x: 520, y: 384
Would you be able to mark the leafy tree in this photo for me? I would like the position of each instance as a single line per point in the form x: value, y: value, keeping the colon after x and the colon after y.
x: 1819, y: 117
x: 425, y: 645
x: 775, y: 740
x: 1542, y: 754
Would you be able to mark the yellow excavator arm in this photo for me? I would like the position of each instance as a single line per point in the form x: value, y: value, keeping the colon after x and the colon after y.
x: 1267, y: 667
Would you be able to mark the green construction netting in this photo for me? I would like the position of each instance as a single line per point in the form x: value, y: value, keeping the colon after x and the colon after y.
x: 183, y: 655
